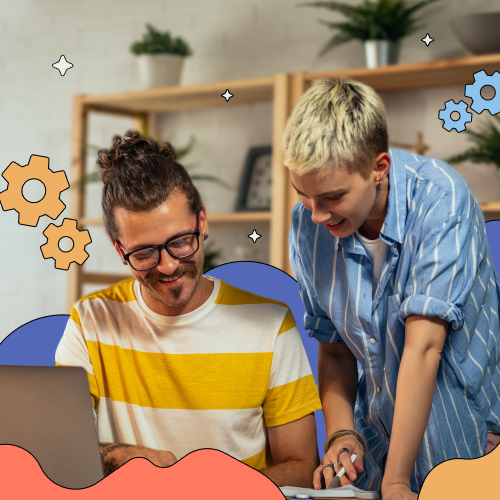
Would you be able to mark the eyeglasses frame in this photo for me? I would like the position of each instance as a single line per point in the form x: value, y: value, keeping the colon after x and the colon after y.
x: 159, y: 248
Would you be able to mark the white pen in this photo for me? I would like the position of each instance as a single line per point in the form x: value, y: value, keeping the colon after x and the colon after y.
x: 336, y: 479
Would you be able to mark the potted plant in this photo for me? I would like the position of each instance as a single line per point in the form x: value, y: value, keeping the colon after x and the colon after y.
x: 380, y: 24
x: 487, y: 148
x: 161, y: 58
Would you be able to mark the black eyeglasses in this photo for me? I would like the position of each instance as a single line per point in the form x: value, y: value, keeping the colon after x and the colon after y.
x: 178, y: 247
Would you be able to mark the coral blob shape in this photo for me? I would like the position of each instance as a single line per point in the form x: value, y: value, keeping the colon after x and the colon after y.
x: 204, y: 474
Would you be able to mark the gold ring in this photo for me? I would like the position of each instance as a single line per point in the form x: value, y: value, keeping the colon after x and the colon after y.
x: 331, y: 466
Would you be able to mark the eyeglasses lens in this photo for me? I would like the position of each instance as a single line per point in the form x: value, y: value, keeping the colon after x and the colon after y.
x: 180, y: 247
x: 184, y: 245
x: 144, y: 259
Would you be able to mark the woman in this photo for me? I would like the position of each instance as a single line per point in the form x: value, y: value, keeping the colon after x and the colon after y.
x: 394, y: 269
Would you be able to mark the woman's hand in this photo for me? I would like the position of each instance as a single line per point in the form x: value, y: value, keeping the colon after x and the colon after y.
x: 351, y: 469
x: 398, y: 491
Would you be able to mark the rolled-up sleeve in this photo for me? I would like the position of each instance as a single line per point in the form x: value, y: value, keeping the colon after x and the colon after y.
x: 315, y: 318
x: 444, y: 271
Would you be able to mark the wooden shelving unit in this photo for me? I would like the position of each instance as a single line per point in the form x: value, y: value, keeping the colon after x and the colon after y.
x: 138, y: 106
x: 283, y: 91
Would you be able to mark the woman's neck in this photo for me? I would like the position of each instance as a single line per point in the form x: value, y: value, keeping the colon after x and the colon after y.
x: 373, y: 224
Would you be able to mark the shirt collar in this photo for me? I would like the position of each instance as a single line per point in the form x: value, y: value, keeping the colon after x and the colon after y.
x: 394, y: 223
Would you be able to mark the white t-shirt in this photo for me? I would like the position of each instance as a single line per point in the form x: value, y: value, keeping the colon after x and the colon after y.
x: 213, y: 378
x: 376, y: 249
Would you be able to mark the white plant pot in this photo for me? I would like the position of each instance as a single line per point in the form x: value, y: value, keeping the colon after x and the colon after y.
x: 160, y: 70
x: 381, y: 53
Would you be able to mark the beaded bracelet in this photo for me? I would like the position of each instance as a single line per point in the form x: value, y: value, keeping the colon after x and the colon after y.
x: 345, y: 432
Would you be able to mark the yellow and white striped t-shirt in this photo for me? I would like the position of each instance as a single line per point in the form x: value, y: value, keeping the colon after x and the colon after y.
x: 212, y: 378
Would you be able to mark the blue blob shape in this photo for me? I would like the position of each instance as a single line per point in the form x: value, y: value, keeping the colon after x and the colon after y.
x: 493, y: 235
x: 35, y: 343
x: 273, y: 283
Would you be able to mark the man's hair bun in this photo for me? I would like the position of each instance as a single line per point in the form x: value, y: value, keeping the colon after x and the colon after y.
x: 127, y: 152
x: 139, y: 175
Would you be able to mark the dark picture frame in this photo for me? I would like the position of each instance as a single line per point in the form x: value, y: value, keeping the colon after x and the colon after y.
x: 251, y: 179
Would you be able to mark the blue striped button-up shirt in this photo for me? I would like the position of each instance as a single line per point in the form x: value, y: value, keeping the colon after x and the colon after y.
x: 438, y: 264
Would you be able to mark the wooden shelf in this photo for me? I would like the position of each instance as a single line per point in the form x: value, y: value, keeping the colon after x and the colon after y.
x: 222, y: 217
x: 183, y: 97
x: 104, y: 279
x: 417, y: 75
x: 240, y: 217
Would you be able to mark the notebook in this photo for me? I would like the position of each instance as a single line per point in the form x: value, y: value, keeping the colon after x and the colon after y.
x: 342, y: 492
x: 48, y: 412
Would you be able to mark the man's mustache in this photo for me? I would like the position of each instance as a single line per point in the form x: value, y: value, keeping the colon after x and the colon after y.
x: 190, y: 269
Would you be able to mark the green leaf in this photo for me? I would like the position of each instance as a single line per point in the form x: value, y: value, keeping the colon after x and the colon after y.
x: 155, y: 42
x: 210, y: 256
x: 335, y: 41
x: 202, y: 177
x: 390, y: 20
x: 487, y: 140
x: 353, y: 32
x: 186, y: 149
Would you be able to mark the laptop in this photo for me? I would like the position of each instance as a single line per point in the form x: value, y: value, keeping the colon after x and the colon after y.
x: 48, y: 412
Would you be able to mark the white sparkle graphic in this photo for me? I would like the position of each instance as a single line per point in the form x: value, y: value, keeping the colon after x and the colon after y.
x: 254, y: 236
x: 427, y: 40
x: 62, y: 65
x: 227, y: 95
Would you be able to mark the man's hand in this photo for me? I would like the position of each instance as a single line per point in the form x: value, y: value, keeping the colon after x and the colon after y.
x: 115, y: 455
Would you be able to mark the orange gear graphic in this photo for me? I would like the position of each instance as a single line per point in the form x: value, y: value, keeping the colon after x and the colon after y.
x: 38, y: 168
x: 77, y: 254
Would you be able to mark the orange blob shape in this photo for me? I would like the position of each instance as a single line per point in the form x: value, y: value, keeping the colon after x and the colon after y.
x: 462, y: 479
x: 38, y: 168
x: 67, y: 229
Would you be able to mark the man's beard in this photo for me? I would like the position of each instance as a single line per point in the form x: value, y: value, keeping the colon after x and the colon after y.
x: 189, y: 269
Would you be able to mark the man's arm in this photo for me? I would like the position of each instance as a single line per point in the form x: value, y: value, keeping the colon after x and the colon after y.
x: 115, y: 455
x: 424, y: 339
x: 294, y: 449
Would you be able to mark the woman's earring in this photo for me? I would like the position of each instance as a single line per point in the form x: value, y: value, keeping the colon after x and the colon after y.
x: 206, y: 237
x: 380, y: 186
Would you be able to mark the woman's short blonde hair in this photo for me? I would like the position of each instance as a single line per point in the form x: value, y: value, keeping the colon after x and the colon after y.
x: 336, y: 122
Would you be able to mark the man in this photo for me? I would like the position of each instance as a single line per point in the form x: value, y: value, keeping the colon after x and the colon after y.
x: 178, y: 361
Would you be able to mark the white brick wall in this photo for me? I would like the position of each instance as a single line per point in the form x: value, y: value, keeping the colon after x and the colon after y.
x: 232, y: 39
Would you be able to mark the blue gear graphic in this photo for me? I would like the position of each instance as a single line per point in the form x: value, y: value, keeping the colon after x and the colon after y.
x: 473, y: 91
x: 449, y: 123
